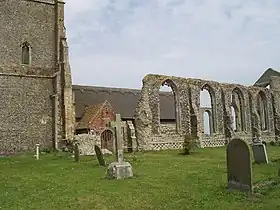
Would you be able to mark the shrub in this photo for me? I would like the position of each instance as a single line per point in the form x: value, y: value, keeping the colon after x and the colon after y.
x: 45, y: 150
x: 189, y: 144
x: 272, y: 143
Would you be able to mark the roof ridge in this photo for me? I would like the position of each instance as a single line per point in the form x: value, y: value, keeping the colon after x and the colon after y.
x: 88, y: 87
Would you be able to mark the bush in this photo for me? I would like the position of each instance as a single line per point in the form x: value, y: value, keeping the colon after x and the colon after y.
x: 189, y: 144
x: 46, y: 150
x: 272, y: 143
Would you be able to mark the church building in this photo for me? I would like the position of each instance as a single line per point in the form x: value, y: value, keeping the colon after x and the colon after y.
x: 35, y: 76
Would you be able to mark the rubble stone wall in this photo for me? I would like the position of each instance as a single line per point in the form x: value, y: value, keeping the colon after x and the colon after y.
x: 256, y: 111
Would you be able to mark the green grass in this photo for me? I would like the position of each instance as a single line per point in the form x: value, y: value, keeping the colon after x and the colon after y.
x: 163, y: 180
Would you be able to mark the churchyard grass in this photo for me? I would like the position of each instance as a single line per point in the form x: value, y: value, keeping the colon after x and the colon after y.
x: 163, y: 180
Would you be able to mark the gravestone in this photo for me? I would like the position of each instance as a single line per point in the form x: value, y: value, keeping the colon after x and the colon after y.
x: 99, y: 155
x: 119, y: 169
x: 259, y: 153
x: 239, y: 166
x: 76, y: 152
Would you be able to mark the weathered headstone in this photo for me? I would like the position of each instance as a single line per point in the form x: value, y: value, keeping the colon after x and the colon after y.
x: 76, y: 152
x: 99, y: 155
x: 37, y: 151
x: 119, y: 169
x: 239, y: 166
x: 259, y: 153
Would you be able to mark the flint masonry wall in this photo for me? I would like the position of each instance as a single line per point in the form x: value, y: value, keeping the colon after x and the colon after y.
x: 36, y: 98
x: 250, y: 120
x: 30, y: 21
x: 26, y: 113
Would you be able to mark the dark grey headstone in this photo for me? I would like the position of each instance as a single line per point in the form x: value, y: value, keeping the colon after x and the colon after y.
x: 76, y: 153
x: 259, y: 152
x: 239, y: 166
x: 99, y: 155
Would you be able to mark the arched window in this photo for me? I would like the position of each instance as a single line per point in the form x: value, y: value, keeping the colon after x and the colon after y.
x: 262, y: 110
x: 169, y: 105
x: 25, y: 53
x: 237, y: 109
x: 207, y: 100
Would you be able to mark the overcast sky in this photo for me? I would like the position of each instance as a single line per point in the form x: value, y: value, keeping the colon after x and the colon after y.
x: 117, y: 42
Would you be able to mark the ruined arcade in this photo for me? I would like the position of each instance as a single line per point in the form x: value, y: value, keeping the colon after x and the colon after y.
x: 256, y: 112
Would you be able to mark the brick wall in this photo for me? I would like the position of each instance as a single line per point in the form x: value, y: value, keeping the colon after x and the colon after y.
x: 101, y: 121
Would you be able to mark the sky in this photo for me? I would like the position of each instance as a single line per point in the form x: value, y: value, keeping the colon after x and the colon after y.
x: 115, y: 43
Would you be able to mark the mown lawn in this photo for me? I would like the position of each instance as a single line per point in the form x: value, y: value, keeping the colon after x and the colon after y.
x: 163, y: 180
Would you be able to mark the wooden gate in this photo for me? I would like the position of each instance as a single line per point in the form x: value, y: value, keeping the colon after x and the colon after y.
x: 107, y: 140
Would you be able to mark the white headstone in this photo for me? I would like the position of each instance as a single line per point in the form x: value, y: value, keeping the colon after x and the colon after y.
x: 37, y: 151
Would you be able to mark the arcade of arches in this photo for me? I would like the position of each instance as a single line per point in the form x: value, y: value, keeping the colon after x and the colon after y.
x: 233, y: 111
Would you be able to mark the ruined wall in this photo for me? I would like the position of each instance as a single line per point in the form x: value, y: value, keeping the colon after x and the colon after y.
x: 87, y: 142
x: 188, y: 115
x: 275, y: 97
x: 168, y: 127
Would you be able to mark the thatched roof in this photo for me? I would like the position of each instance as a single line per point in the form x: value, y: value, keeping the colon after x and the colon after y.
x: 264, y: 80
x: 124, y: 101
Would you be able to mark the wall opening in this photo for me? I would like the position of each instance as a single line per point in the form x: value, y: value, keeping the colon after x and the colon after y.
x: 262, y: 110
x: 167, y: 105
x: 207, y: 119
x: 207, y: 102
x: 25, y: 53
x: 237, y: 106
x: 233, y: 115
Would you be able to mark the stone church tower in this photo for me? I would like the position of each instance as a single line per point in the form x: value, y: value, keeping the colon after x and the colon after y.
x: 35, y: 76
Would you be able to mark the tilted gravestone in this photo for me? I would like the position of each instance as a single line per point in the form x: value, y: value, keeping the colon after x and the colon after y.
x: 259, y: 153
x: 239, y: 166
x: 99, y: 155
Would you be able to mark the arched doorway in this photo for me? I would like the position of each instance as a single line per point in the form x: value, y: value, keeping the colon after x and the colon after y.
x: 107, y: 140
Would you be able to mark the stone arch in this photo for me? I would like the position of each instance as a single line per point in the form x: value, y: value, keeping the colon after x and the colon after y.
x: 170, y: 83
x: 25, y: 53
x: 237, y: 102
x: 211, y: 92
x: 262, y: 110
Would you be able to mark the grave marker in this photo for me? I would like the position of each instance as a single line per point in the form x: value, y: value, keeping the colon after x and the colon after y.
x: 239, y: 166
x: 99, y: 155
x: 259, y: 153
x: 76, y: 152
x: 37, y: 151
x: 119, y: 169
